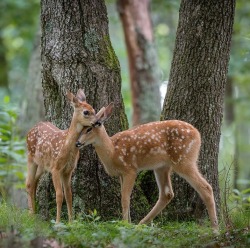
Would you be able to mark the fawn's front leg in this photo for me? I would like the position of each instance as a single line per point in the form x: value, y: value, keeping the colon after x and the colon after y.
x: 66, y: 181
x: 127, y: 184
x: 59, y: 193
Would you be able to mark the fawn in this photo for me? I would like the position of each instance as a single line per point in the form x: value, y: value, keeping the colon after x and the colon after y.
x: 54, y: 150
x: 162, y: 146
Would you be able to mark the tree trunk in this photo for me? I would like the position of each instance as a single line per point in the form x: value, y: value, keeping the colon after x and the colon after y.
x: 4, y: 82
x: 196, y: 89
x: 77, y: 53
x: 142, y: 58
x: 229, y: 120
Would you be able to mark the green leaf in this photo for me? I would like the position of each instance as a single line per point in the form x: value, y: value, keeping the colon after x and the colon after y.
x: 245, y: 191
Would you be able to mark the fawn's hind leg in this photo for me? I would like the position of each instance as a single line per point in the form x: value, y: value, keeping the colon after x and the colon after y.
x: 199, y: 183
x: 31, y: 184
x: 163, y: 179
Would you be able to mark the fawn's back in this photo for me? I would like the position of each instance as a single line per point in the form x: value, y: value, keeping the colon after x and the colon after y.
x: 154, y: 144
x: 44, y: 142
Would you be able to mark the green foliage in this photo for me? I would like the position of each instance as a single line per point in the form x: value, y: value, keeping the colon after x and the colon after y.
x: 18, y: 223
x: 235, y: 205
x: 88, y: 231
x: 12, y: 149
x: 242, y: 198
x: 18, y: 24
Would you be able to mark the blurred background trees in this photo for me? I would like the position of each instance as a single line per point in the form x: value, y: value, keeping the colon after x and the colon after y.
x: 18, y: 28
x: 142, y: 60
x: 18, y: 25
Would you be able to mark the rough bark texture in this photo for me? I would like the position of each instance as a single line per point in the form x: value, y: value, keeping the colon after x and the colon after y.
x: 142, y: 58
x: 33, y: 106
x: 77, y: 53
x: 196, y: 89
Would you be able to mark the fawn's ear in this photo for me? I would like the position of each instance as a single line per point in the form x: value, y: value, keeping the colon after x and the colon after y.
x: 73, y: 100
x: 100, y: 113
x: 104, y: 114
x: 81, y: 95
x: 107, y: 113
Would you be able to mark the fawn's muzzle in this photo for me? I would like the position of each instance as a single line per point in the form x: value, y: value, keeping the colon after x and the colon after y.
x: 79, y: 144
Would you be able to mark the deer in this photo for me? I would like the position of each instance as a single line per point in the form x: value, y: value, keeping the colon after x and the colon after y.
x: 162, y: 146
x: 52, y: 149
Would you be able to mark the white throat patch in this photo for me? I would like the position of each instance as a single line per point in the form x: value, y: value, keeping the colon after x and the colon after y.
x: 79, y: 127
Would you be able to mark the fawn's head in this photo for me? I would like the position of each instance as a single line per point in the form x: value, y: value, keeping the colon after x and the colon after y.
x: 89, y: 135
x: 83, y: 112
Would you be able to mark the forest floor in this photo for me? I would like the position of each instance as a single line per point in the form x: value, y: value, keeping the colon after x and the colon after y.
x: 18, y: 229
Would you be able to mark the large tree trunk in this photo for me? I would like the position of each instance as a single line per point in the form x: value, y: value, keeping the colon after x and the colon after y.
x: 77, y: 53
x: 196, y: 89
x: 142, y: 58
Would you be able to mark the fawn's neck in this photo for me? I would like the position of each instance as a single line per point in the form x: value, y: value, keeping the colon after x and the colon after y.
x: 73, y: 133
x: 105, y: 148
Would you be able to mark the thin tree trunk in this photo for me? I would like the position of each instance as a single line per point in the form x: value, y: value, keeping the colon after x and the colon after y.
x: 196, y: 89
x: 33, y: 105
x: 230, y: 119
x: 4, y: 81
x: 142, y: 58
x: 77, y: 53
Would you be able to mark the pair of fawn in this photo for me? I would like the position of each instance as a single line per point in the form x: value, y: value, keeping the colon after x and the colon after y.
x: 163, y: 146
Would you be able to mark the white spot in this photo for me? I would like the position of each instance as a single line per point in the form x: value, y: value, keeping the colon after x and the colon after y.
x: 190, y: 146
x: 134, y: 160
x: 124, y: 151
x: 166, y: 190
x: 133, y: 148
x: 121, y: 158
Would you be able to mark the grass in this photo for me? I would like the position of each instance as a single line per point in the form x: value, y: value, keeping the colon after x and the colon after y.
x: 19, y: 229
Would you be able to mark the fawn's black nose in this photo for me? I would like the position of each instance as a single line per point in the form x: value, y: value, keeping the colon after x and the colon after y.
x: 78, y: 144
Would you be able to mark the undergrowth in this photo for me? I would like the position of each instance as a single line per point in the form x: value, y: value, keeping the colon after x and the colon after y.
x: 19, y: 229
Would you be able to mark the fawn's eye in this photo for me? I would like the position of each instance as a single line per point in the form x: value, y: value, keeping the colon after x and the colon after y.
x: 86, y: 112
x: 89, y: 129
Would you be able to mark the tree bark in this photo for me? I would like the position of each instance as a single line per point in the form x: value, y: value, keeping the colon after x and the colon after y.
x: 196, y: 89
x: 77, y: 53
x: 142, y: 58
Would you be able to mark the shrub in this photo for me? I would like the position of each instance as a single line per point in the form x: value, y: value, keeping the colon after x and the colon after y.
x: 12, y: 150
